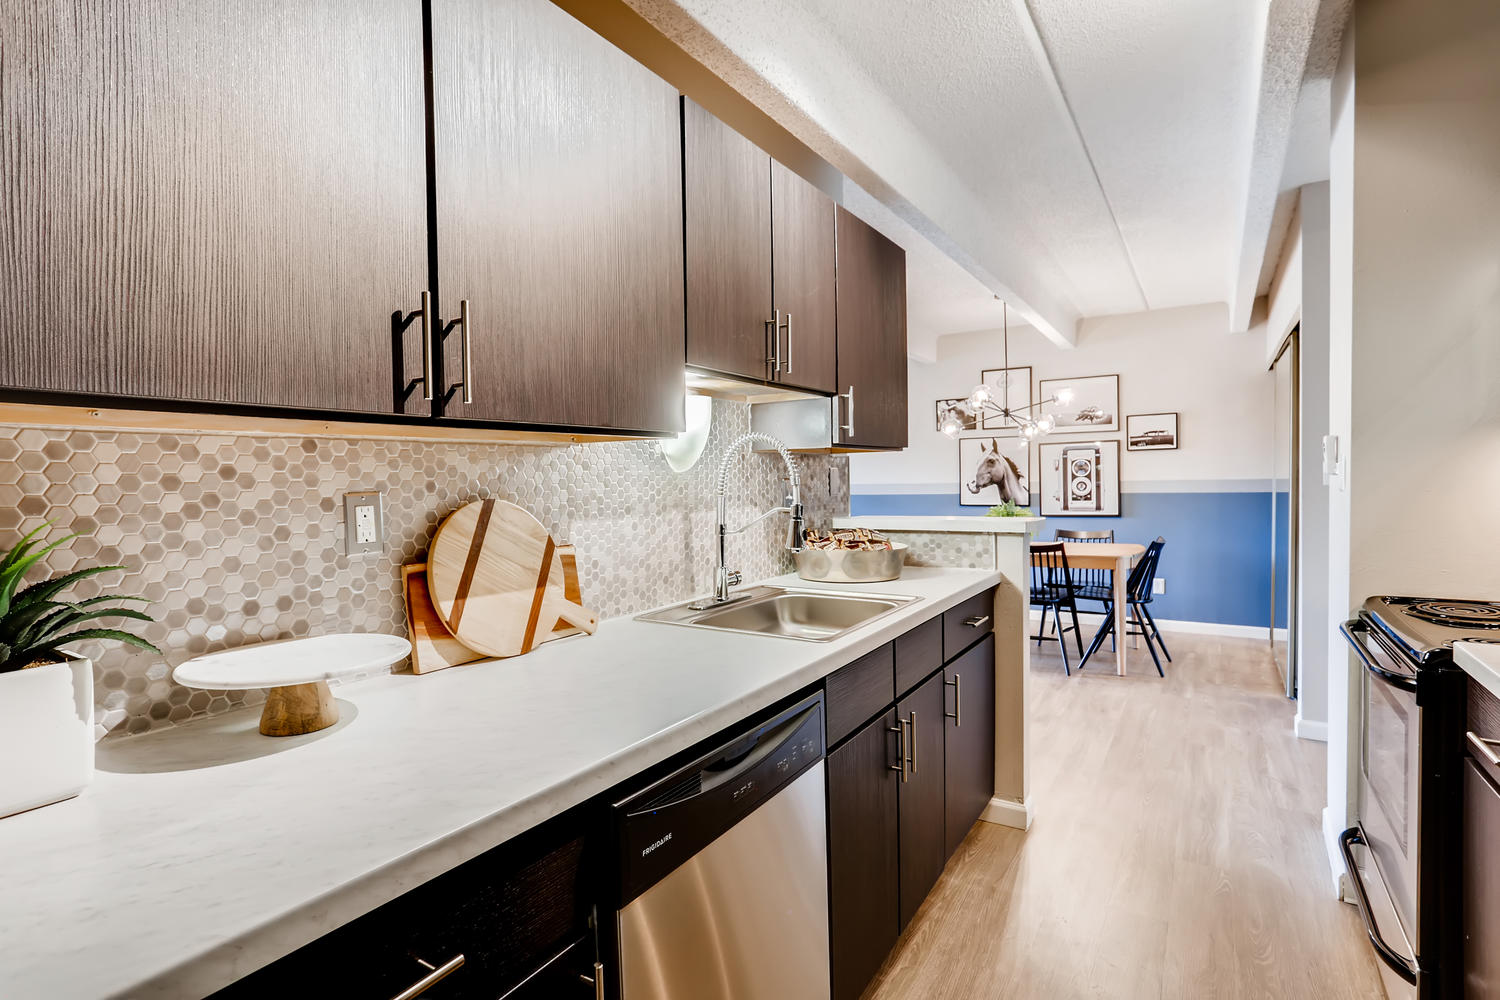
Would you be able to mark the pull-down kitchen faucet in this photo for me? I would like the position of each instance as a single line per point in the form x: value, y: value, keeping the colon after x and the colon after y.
x: 726, y: 578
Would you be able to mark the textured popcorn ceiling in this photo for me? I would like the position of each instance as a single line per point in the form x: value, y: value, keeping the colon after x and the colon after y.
x: 1078, y: 158
x: 240, y: 539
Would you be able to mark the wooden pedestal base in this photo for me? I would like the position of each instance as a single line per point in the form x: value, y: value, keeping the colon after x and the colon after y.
x: 298, y: 709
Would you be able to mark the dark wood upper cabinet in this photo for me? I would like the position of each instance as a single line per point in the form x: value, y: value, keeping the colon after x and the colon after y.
x: 213, y: 203
x: 803, y: 266
x: 969, y: 748
x: 863, y: 856
x: 727, y: 210
x: 558, y: 174
x: 871, y: 338
x: 923, y: 845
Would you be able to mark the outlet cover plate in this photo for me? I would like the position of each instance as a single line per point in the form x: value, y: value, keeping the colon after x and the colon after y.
x: 364, y: 522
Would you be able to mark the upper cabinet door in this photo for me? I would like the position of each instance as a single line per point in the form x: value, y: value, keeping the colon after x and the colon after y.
x: 802, y: 240
x: 871, y: 337
x: 558, y: 172
x: 221, y: 203
x: 727, y: 209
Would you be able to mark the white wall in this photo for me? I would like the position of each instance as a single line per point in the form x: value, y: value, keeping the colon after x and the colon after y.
x: 1313, y: 614
x: 1341, y: 671
x: 1425, y: 458
x: 1182, y: 360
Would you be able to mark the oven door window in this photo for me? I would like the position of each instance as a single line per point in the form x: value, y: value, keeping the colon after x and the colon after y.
x: 1387, y: 740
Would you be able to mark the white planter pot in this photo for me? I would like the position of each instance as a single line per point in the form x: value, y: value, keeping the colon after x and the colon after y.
x: 46, y: 734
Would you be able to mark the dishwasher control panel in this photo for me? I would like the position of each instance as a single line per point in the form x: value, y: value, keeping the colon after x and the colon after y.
x: 664, y: 824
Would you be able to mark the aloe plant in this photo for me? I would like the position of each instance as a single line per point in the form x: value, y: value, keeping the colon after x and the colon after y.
x: 35, y: 624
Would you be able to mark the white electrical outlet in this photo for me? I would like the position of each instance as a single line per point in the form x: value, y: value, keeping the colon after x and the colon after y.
x: 1160, y: 586
x: 364, y: 522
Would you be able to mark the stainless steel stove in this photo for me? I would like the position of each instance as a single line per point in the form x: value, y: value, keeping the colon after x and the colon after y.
x: 1411, y: 732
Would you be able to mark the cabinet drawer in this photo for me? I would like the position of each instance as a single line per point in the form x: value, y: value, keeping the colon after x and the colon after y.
x: 858, y: 691
x: 967, y: 622
x: 918, y: 653
x: 1484, y: 723
x: 511, y: 913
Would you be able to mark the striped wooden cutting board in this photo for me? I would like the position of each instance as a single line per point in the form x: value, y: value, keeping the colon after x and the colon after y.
x: 501, y: 583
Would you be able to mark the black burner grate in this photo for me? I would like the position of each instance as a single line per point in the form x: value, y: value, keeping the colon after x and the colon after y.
x: 1456, y: 614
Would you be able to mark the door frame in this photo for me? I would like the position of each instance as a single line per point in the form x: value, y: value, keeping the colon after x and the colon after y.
x: 1291, y: 346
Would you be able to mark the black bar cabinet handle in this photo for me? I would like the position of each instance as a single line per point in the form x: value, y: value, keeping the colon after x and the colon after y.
x: 1401, y: 966
x: 1392, y: 678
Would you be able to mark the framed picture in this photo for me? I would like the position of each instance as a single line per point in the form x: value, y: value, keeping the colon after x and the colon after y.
x: 992, y: 470
x: 959, y: 408
x: 1094, y: 407
x: 1016, y: 381
x: 1080, y: 478
x: 1150, y: 432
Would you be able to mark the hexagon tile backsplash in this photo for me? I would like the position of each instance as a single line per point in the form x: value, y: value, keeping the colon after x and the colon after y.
x: 238, y: 539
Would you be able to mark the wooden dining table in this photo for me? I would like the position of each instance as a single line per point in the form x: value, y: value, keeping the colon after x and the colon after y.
x: 1116, y: 556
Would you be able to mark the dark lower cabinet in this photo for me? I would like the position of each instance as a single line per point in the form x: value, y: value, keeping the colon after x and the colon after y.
x: 1481, y: 883
x: 871, y: 297
x: 213, y: 203
x: 863, y: 855
x: 969, y: 744
x: 558, y: 177
x: 518, y: 914
x: 923, y: 844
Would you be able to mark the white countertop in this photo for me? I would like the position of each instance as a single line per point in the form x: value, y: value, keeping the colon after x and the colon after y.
x: 176, y: 883
x: 1480, y: 661
x: 977, y: 524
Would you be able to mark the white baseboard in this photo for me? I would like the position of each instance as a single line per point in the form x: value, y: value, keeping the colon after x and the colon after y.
x: 1004, y: 812
x: 1310, y: 729
x: 1090, y: 621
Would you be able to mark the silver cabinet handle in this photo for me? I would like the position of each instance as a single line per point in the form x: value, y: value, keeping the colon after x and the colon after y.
x: 468, y: 350
x: 900, y: 730
x: 596, y: 980
x: 1485, y: 748
x: 788, y: 326
x: 775, y: 359
x: 427, y: 365
x: 848, y: 426
x: 958, y: 709
x: 978, y: 621
x: 911, y: 727
x: 437, y: 975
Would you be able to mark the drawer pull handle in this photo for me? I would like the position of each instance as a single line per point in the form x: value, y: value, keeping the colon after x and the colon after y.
x: 957, y: 714
x: 437, y: 975
x: 900, y: 730
x: 1485, y: 748
x: 978, y: 621
x: 596, y: 980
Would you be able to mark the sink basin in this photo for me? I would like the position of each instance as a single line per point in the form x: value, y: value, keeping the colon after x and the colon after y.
x: 810, y: 615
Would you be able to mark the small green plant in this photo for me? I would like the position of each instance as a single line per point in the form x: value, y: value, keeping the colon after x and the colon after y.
x: 35, y: 625
x: 1008, y: 509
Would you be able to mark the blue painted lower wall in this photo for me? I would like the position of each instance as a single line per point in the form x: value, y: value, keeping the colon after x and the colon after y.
x: 1217, y: 560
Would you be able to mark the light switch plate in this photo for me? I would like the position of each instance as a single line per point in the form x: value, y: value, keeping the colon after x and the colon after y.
x: 364, y: 522
x: 1159, y: 585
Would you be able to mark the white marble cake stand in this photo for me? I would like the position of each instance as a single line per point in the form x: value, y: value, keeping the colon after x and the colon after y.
x: 297, y: 671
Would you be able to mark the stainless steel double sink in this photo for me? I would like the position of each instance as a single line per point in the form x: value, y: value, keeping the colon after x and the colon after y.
x: 809, y: 615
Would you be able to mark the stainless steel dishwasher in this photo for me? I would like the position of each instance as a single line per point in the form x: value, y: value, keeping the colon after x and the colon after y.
x: 724, y: 871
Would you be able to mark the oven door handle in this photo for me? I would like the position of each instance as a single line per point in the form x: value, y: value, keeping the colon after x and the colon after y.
x: 1400, y: 965
x: 1402, y: 681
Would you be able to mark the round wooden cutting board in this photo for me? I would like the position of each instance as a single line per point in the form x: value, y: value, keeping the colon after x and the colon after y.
x: 495, y: 577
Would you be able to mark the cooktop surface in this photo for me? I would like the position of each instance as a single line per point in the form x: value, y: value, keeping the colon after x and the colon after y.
x: 1427, y: 627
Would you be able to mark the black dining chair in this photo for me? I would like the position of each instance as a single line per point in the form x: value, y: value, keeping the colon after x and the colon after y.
x: 1138, y: 620
x: 1052, y: 587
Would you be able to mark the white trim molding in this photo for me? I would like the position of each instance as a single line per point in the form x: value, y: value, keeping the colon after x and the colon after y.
x: 1310, y: 729
x: 1004, y: 812
x: 1092, y: 621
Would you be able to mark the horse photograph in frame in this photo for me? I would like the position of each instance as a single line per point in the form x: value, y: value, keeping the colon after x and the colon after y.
x: 992, y: 470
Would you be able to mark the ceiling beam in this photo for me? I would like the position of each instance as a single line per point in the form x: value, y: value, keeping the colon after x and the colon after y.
x: 1299, y: 36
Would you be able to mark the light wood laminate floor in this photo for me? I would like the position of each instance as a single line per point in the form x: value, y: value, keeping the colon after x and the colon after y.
x: 1176, y: 850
